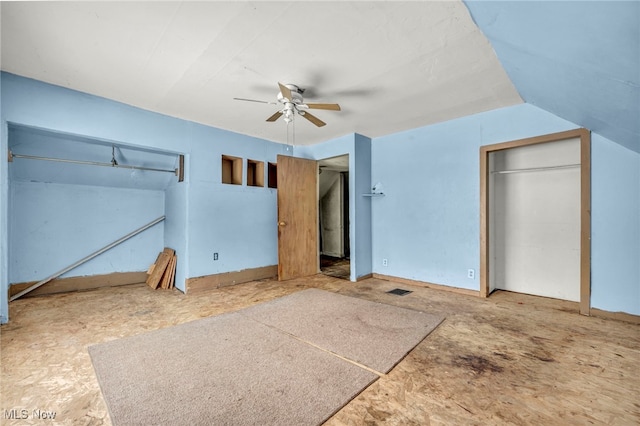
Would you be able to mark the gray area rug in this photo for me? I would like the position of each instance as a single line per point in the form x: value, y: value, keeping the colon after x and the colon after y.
x: 373, y: 334
x: 241, y: 369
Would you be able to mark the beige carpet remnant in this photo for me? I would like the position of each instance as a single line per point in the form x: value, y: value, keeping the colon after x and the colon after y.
x: 373, y: 334
x: 273, y: 363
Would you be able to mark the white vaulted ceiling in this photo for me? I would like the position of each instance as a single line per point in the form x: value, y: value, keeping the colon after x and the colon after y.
x: 392, y: 66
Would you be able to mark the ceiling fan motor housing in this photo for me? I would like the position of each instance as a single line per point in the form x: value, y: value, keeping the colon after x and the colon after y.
x: 297, y: 97
x: 290, y: 97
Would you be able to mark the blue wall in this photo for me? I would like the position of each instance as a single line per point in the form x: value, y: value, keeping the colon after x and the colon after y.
x: 4, y: 215
x: 577, y: 59
x: 54, y: 225
x: 615, y: 227
x: 176, y: 227
x: 236, y: 221
x: 363, y: 205
x: 427, y: 225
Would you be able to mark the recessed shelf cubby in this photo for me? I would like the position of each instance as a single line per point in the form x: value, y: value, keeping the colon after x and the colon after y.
x: 231, y: 170
x: 255, y: 173
x: 272, y: 175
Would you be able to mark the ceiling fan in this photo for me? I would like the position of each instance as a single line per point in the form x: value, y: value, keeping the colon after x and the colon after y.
x: 290, y: 97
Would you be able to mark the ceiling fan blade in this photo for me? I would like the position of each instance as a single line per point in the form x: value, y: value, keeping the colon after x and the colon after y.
x: 312, y: 118
x: 275, y: 116
x: 286, y: 92
x: 254, y: 100
x: 332, y: 107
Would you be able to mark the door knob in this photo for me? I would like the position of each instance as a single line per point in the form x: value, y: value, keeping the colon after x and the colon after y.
x: 281, y: 223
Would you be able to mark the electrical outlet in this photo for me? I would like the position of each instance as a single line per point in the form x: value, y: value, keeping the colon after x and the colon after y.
x: 385, y: 262
x: 215, y: 256
x: 471, y: 274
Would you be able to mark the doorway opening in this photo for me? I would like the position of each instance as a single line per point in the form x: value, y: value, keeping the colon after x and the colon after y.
x: 333, y: 208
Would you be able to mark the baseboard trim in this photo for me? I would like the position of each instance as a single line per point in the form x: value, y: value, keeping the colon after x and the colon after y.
x: 209, y: 282
x: 364, y: 277
x: 594, y: 312
x: 407, y: 281
x: 87, y: 282
x: 619, y: 316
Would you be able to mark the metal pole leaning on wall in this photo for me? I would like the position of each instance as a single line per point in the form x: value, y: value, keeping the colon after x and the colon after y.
x: 86, y: 259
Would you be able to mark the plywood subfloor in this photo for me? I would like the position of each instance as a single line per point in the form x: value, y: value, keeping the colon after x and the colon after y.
x: 510, y: 359
x: 335, y: 267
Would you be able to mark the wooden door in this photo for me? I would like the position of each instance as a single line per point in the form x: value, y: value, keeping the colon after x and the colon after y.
x: 297, y: 217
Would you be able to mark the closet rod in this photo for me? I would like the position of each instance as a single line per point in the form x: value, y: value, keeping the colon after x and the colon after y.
x: 92, y: 163
x: 533, y: 169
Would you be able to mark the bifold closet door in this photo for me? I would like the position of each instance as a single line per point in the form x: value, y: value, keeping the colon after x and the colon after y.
x: 535, y: 219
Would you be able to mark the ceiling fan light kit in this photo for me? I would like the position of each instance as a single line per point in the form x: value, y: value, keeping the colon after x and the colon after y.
x: 290, y: 97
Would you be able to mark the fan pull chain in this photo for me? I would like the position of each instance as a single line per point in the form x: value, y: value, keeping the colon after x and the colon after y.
x: 288, y: 140
x: 291, y: 140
